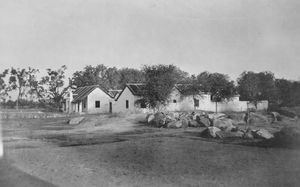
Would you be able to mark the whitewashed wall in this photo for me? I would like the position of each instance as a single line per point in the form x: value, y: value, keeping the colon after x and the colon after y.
x: 205, y: 103
x: 120, y: 104
x: 187, y: 103
x: 98, y: 95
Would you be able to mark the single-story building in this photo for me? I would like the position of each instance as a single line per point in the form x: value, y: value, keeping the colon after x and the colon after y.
x: 126, y: 101
x: 88, y: 99
x: 95, y: 99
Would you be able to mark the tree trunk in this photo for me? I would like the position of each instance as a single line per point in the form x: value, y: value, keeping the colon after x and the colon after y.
x: 216, y: 107
x: 17, y: 103
x: 18, y: 98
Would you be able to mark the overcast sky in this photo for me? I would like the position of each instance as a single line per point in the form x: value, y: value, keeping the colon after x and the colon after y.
x: 226, y: 36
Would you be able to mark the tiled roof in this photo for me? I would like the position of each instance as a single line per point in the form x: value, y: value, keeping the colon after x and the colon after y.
x: 114, y: 93
x: 81, y: 92
x: 183, y: 87
x: 137, y: 89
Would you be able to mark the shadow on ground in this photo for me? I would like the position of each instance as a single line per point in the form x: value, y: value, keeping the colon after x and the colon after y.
x: 13, y: 177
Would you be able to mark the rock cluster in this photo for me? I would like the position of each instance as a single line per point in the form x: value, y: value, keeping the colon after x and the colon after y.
x: 179, y: 120
x: 217, y: 125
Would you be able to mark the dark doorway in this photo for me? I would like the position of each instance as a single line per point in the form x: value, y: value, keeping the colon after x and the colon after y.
x: 110, y: 107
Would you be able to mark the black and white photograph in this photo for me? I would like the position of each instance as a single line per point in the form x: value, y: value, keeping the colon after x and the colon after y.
x: 149, y: 93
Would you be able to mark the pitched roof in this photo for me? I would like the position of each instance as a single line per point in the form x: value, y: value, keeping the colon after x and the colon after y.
x: 114, y: 93
x: 184, y: 88
x: 137, y: 89
x: 81, y: 92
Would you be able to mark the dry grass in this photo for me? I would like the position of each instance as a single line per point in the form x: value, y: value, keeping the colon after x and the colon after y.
x: 120, y: 151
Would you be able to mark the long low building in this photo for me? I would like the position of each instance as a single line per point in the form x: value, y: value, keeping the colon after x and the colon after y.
x: 95, y: 99
x: 126, y: 101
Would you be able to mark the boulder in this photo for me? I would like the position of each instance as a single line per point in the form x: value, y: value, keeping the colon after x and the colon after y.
x: 210, y: 132
x: 262, y: 134
x: 150, y: 118
x: 224, y: 124
x: 257, y: 118
x: 175, y: 124
x: 194, y: 117
x: 185, y: 123
x: 159, y: 120
x: 170, y: 119
x: 193, y: 123
x: 76, y: 120
x: 247, y: 134
x: 227, y: 134
x: 203, y: 121
x: 275, y: 117
x: 216, y: 116
x: 173, y: 115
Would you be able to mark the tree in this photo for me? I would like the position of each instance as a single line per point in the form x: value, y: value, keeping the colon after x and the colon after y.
x: 267, y: 86
x: 130, y: 75
x: 203, y: 79
x: 218, y: 85
x: 3, y: 86
x: 111, y: 78
x: 53, y: 83
x: 191, y: 87
x: 160, y: 80
x: 247, y: 86
x: 180, y: 75
x: 33, y: 83
x: 20, y: 80
x: 294, y: 94
x: 283, y: 92
x: 90, y: 76
x: 254, y: 87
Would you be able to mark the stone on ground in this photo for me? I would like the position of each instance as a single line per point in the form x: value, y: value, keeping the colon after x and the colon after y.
x: 160, y: 119
x: 203, y: 121
x: 224, y: 124
x: 185, y: 123
x: 76, y: 120
x: 248, y: 134
x: 262, y: 134
x: 193, y: 123
x: 173, y: 115
x: 216, y: 116
x: 150, y: 118
x: 257, y: 118
x: 210, y: 132
x: 275, y: 117
x: 227, y: 134
x: 175, y: 124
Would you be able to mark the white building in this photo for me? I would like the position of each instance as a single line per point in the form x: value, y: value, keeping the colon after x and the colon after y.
x: 94, y: 99
x: 88, y: 99
x: 126, y: 101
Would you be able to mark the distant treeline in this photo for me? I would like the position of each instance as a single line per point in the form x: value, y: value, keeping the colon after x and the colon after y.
x: 49, y: 90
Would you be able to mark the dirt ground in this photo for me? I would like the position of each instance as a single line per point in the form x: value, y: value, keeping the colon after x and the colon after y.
x: 120, y: 151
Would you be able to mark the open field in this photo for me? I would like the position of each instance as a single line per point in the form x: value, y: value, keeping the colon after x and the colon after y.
x: 120, y: 151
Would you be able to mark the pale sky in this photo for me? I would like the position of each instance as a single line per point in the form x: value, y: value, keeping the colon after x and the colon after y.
x: 226, y: 36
